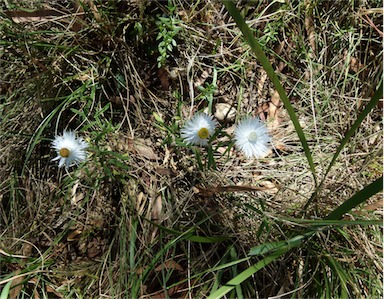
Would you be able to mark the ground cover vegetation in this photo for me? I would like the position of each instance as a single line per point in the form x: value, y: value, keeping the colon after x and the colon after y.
x: 141, y: 207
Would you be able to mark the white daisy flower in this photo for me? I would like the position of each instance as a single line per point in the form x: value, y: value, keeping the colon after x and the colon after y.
x: 199, y: 129
x: 69, y: 149
x: 251, y: 136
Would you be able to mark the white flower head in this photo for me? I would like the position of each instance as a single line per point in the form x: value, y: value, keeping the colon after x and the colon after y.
x: 70, y: 150
x: 199, y: 129
x: 251, y: 136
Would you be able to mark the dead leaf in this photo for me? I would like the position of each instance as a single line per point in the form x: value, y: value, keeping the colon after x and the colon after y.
x: 309, y: 25
x: 94, y: 10
x: 165, y: 171
x: 72, y: 235
x: 262, y: 111
x: 270, y: 187
x: 377, y: 205
x: 170, y: 264
x: 144, y: 150
x: 355, y: 65
x: 93, y: 251
x: 78, y: 25
x: 163, y: 76
x: 178, y: 291
x: 170, y: 293
x: 16, y: 285
x: 167, y: 156
x: 21, y: 16
x: 260, y: 84
x: 48, y: 288
x: 75, y: 198
x: 118, y: 100
x: 222, y: 149
x: 157, y: 209
x: 281, y: 146
x: 212, y: 190
x: 140, y: 203
x: 48, y: 15
x: 274, y: 109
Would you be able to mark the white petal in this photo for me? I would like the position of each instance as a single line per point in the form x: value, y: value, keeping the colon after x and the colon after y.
x: 252, y: 147
x: 75, y: 146
x: 190, y: 130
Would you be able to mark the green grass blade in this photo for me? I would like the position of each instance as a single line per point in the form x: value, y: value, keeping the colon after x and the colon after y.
x: 284, y: 245
x: 356, y: 199
x: 256, y: 48
x: 322, y: 222
x: 5, y: 291
x: 279, y: 245
x: 233, y: 255
x: 132, y: 244
x: 343, y: 276
x: 211, y: 158
x: 208, y: 240
x: 190, y: 236
x: 36, y: 136
x: 372, y: 103
x: 212, y: 270
x: 237, y: 280
x: 198, y: 157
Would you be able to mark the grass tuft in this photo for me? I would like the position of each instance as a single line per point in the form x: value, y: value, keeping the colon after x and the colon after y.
x: 148, y: 216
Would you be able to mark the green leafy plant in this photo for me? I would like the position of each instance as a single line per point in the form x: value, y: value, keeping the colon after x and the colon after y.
x: 168, y: 29
x: 208, y: 91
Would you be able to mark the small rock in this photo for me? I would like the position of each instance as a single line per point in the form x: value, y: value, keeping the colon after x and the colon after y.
x: 225, y: 112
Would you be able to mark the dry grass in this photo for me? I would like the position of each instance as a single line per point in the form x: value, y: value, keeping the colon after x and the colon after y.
x: 121, y: 224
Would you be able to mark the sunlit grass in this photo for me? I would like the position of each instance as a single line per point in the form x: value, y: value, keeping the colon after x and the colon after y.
x: 148, y: 215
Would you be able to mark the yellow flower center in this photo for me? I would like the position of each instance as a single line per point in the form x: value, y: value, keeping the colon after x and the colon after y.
x: 64, y: 152
x: 203, y: 133
x: 252, y: 137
